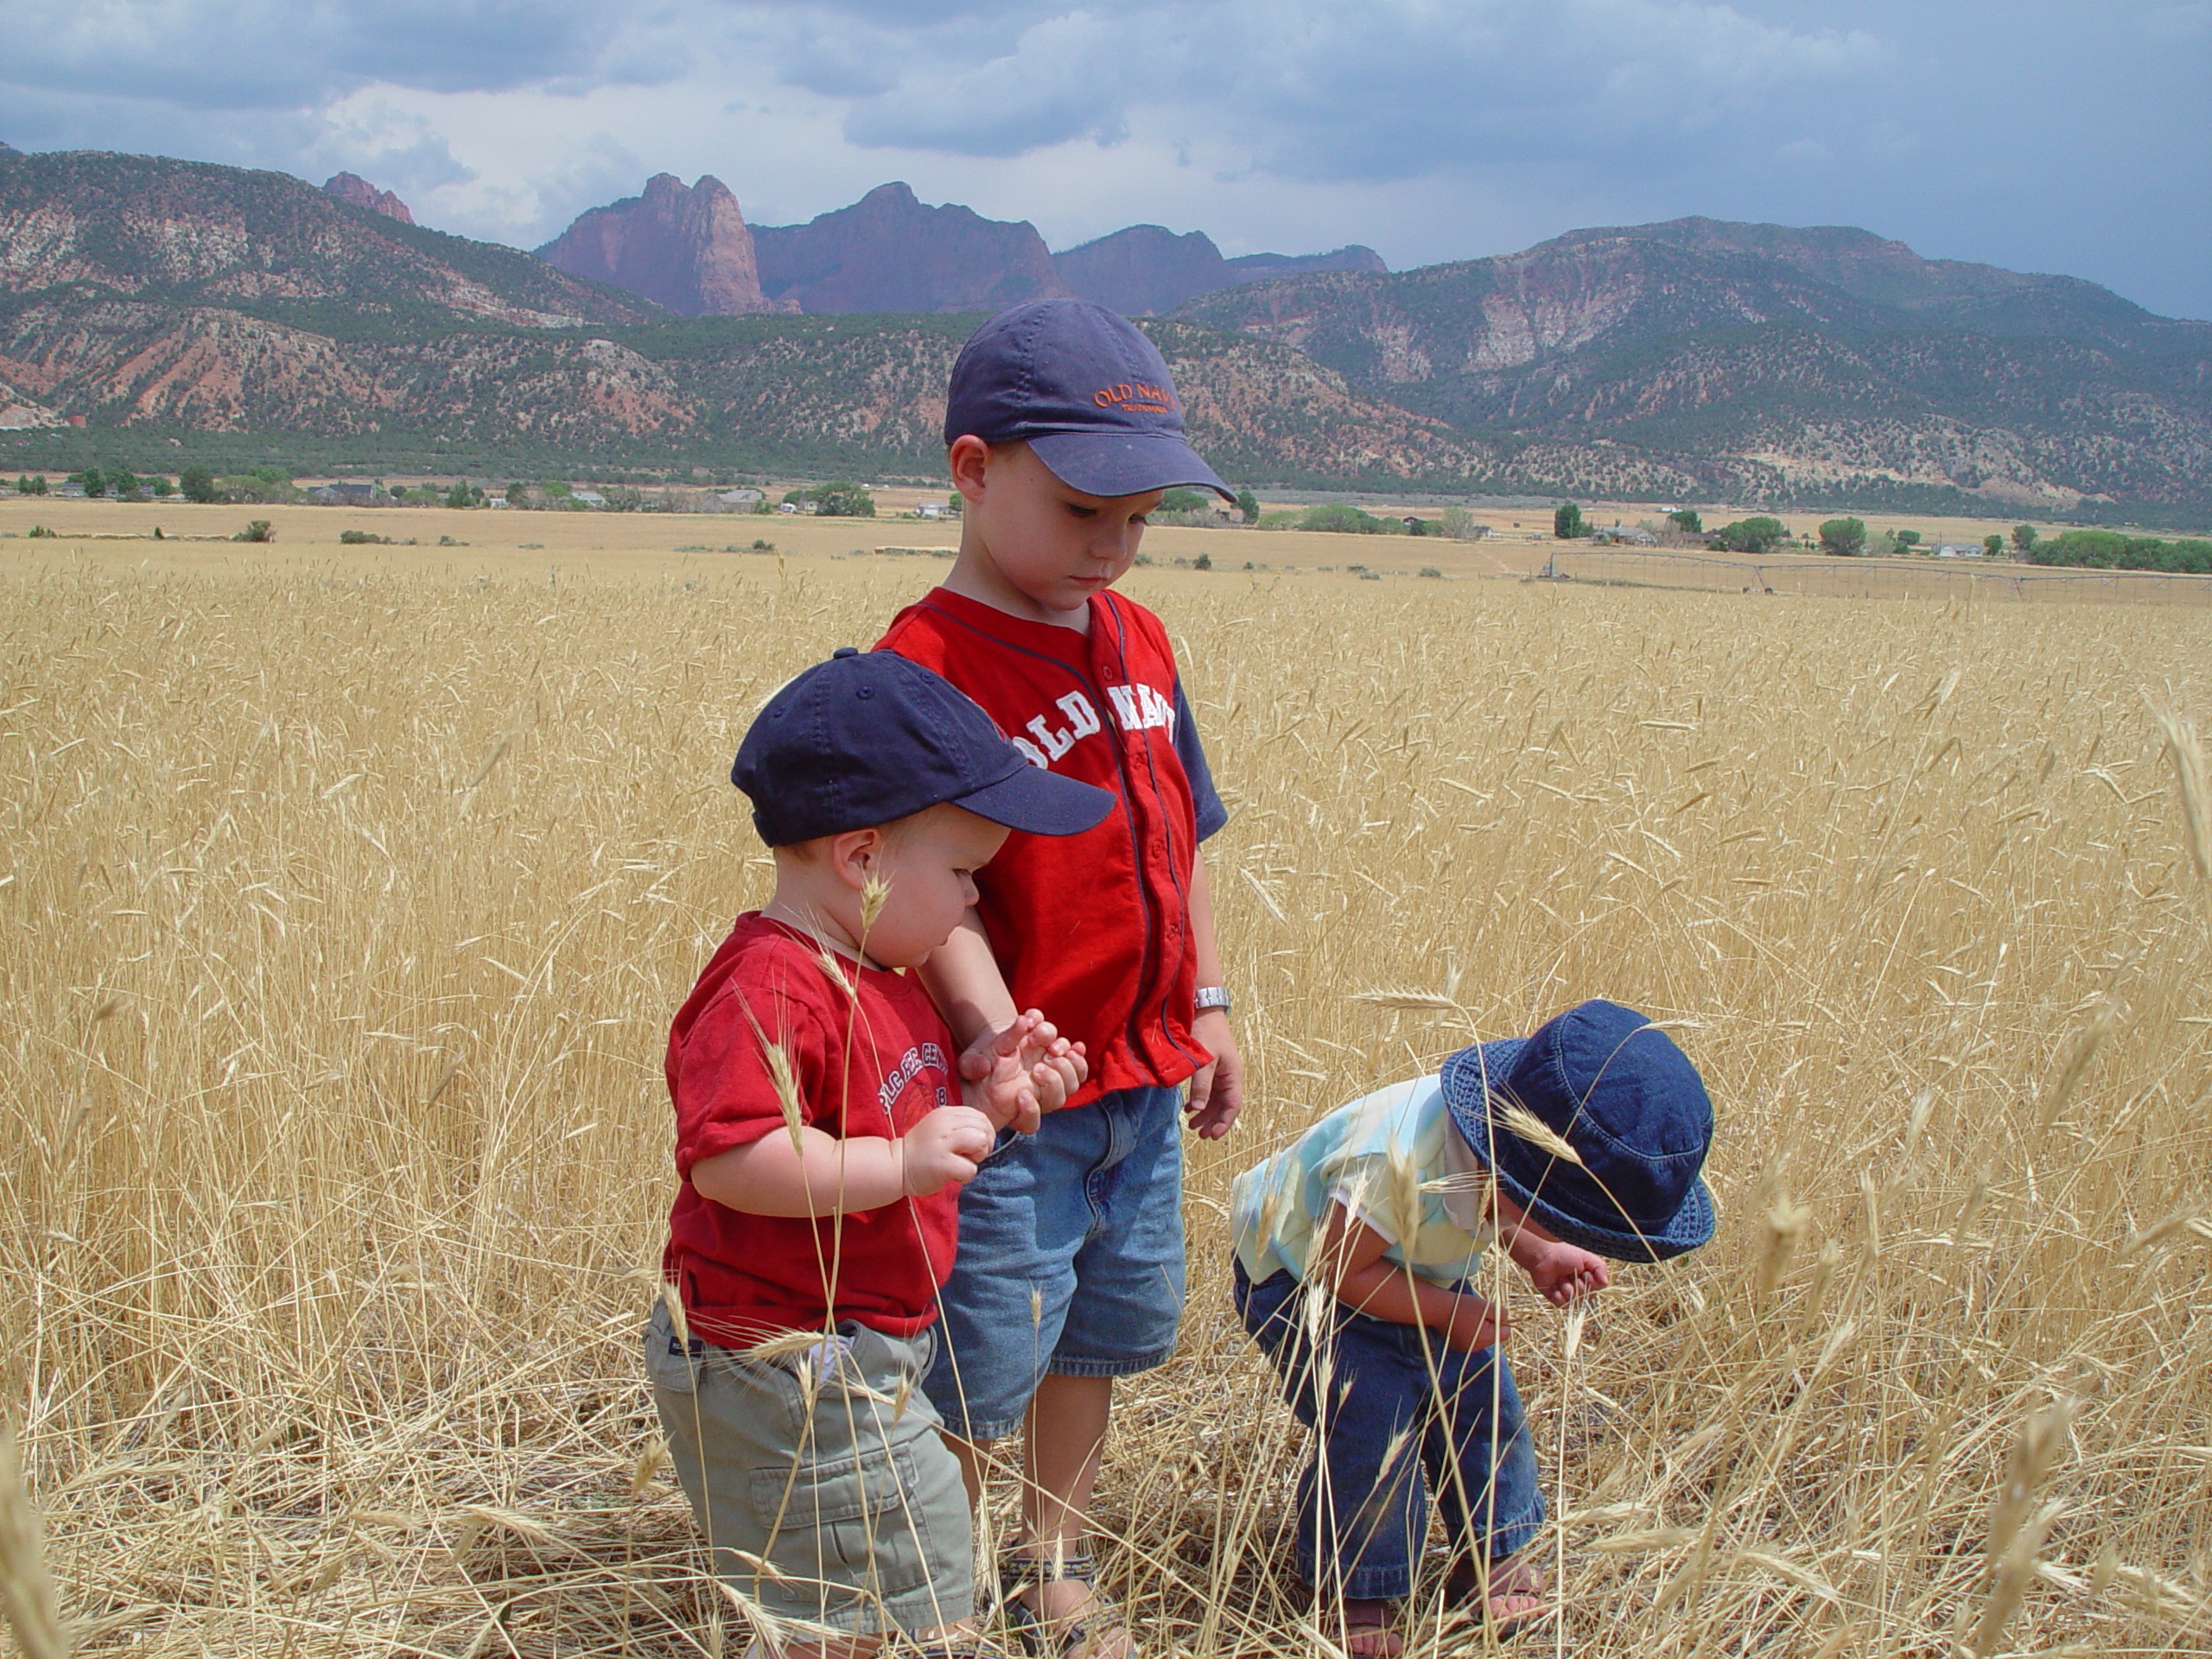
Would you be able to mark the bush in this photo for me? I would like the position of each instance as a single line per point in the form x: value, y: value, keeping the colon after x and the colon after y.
x: 38, y: 530
x: 2111, y: 549
x: 197, y: 483
x: 1463, y: 526
x: 256, y: 530
x: 1180, y: 500
x: 1568, y: 524
x: 1343, y: 519
x: 31, y: 486
x: 1248, y: 504
x: 1844, y: 537
x: 1203, y: 562
x: 1754, y: 535
x: 363, y: 538
x: 1431, y: 570
x: 760, y: 544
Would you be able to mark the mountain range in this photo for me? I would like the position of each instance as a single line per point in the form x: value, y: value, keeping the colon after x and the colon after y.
x: 251, y: 315
x: 689, y: 248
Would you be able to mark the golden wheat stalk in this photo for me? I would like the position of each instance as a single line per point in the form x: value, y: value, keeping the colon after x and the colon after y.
x: 26, y: 1587
x: 2186, y: 748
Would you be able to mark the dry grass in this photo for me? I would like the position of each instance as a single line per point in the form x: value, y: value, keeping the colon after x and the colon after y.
x: 346, y: 906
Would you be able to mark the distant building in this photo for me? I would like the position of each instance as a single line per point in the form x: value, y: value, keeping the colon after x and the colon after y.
x: 787, y: 506
x: 738, y: 500
x: 1959, y: 549
x: 344, y: 494
x: 589, y: 497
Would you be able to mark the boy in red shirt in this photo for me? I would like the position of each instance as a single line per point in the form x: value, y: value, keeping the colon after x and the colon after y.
x: 1065, y: 431
x: 822, y: 1148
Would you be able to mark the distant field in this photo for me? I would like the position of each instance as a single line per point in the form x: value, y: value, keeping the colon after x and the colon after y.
x: 347, y: 896
x: 1520, y: 543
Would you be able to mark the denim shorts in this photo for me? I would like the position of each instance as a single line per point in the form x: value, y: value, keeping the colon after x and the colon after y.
x: 1400, y: 1422
x: 1070, y: 1259
x: 819, y: 1483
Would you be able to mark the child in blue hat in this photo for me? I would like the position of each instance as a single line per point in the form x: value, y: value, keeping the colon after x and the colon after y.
x: 1358, y: 1250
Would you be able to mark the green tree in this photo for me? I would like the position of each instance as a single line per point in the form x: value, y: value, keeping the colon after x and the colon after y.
x: 1249, y: 505
x: 2023, y: 538
x: 461, y: 495
x: 1567, y: 523
x: 198, y: 484
x: 843, y: 499
x: 1686, y: 521
x: 122, y: 483
x: 517, y: 494
x: 1906, y: 538
x: 1180, y: 500
x: 92, y: 481
x: 1992, y: 545
x: 1343, y: 519
x: 163, y: 489
x: 1845, y: 537
x: 1759, y: 534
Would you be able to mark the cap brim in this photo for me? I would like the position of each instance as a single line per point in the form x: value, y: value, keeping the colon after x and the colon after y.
x: 1126, y: 463
x: 1039, y: 803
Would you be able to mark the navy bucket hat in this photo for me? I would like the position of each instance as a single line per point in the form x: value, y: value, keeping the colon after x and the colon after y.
x: 1617, y: 1088
x: 1084, y: 388
x: 869, y: 737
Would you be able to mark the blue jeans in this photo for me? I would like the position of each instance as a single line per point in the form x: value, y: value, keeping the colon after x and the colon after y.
x: 1395, y: 1413
x: 1071, y: 1260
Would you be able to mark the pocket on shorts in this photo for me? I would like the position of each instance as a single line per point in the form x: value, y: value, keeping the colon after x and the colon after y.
x: 667, y: 1365
x: 838, y: 1521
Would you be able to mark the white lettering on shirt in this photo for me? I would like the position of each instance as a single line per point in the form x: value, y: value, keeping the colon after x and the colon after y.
x: 1137, y: 707
x: 911, y: 1065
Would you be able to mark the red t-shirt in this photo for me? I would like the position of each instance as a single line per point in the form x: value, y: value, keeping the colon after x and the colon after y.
x: 1094, y: 929
x: 869, y: 1061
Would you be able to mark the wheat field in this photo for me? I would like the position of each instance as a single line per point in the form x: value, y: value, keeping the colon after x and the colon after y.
x: 346, y: 903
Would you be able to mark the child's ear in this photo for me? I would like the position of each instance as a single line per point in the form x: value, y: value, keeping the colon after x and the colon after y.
x: 855, y: 855
x: 970, y: 459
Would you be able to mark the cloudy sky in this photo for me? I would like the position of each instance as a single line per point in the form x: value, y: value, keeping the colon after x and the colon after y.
x: 2044, y: 135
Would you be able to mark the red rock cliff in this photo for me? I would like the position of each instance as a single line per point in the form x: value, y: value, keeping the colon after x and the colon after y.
x: 687, y: 247
x: 352, y: 187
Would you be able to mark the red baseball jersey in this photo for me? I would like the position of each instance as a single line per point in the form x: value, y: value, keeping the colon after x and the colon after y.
x: 866, y: 1061
x: 1094, y: 929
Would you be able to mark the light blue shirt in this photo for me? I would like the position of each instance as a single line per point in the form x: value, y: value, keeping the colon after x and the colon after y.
x: 1396, y: 1161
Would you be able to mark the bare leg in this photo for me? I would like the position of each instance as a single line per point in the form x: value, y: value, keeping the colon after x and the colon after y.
x: 1063, y: 1437
x: 972, y: 1455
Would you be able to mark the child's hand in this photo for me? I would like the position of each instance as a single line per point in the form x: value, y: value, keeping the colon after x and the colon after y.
x: 1014, y: 1076
x: 1475, y: 1324
x: 1217, y: 1091
x: 1560, y: 1272
x: 945, y: 1146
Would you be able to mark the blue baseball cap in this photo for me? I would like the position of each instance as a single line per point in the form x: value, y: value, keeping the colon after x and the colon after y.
x: 867, y: 737
x: 1617, y: 1090
x: 1085, y: 391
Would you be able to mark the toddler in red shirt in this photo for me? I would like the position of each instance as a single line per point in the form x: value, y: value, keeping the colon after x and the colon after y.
x: 825, y: 1122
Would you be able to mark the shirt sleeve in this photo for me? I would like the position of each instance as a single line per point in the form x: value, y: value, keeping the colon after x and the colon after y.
x: 729, y: 1091
x: 1212, y: 815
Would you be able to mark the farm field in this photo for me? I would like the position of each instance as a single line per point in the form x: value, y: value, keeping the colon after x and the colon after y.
x: 347, y: 899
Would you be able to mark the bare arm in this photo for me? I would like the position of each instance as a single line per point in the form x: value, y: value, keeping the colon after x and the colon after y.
x: 1217, y: 1091
x: 825, y: 1176
x: 962, y: 978
x: 1348, y: 1258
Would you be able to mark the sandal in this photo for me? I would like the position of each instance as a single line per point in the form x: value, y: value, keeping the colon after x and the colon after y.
x: 1059, y: 1637
x: 1510, y: 1599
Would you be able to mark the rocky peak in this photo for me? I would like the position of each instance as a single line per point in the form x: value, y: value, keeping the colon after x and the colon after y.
x: 890, y: 251
x: 687, y: 246
x: 352, y: 187
x: 1148, y: 268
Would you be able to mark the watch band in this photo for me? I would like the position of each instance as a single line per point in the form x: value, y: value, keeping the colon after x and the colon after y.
x: 1213, y: 996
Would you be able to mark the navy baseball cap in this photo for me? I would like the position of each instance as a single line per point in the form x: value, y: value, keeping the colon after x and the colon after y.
x: 1617, y: 1090
x: 869, y: 737
x: 1085, y: 391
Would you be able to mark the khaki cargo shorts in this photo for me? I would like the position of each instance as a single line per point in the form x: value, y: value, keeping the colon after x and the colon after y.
x: 819, y: 1479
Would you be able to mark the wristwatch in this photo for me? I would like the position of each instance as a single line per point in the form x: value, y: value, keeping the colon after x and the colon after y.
x: 1213, y: 996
